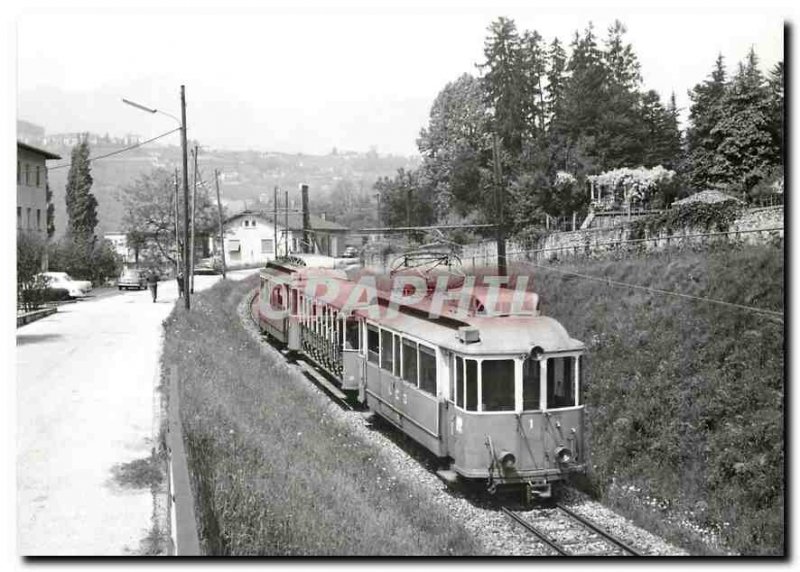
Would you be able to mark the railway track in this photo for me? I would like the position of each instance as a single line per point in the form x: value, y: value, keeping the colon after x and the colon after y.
x: 569, y: 534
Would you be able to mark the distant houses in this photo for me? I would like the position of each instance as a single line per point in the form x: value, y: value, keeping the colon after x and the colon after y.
x: 251, y: 237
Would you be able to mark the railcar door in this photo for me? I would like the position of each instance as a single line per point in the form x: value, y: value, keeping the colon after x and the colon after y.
x: 352, y: 358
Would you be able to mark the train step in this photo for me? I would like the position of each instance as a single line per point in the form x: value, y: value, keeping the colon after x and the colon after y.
x: 449, y: 476
x: 322, y: 380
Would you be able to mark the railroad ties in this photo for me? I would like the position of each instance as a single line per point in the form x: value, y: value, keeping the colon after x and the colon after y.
x: 569, y: 534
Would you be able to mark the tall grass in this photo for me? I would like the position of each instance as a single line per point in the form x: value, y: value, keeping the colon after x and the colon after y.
x: 685, y: 398
x: 274, y: 471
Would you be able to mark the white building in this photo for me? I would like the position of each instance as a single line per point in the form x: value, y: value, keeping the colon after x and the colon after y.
x: 250, y: 237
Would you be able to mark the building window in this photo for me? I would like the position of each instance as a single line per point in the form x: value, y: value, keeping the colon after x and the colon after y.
x: 253, y: 222
x: 246, y: 222
x: 27, y: 174
x: 38, y: 176
x: 19, y: 217
x: 28, y: 218
x: 19, y: 173
x: 38, y: 219
x: 234, y: 246
x: 267, y: 246
x: 294, y: 245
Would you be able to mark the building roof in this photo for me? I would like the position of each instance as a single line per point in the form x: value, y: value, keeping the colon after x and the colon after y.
x: 42, y: 152
x: 295, y: 220
x: 707, y: 196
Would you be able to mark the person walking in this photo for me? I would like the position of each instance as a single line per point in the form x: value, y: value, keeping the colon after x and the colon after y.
x: 152, y: 283
x: 179, y: 277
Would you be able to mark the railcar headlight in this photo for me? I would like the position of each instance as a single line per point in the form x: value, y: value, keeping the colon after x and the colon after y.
x: 563, y: 455
x: 508, y: 460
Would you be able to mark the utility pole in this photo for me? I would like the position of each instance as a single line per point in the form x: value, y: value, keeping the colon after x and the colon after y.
x: 498, y: 194
x: 275, y: 219
x: 194, y: 202
x: 221, y: 231
x: 286, y: 223
x: 185, y: 201
x: 177, y: 239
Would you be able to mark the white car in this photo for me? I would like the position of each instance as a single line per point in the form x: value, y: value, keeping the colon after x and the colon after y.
x: 76, y: 288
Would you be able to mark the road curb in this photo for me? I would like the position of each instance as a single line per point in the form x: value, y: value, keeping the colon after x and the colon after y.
x: 29, y: 317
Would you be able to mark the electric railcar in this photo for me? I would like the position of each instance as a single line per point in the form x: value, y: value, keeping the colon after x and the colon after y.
x: 491, y: 387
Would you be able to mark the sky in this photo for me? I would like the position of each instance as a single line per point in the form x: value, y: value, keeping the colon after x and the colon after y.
x: 310, y: 78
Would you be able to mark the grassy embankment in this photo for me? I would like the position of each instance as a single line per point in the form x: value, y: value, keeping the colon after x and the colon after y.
x: 684, y: 398
x: 275, y: 473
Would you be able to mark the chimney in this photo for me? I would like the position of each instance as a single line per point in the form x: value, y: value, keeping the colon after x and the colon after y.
x: 306, y: 219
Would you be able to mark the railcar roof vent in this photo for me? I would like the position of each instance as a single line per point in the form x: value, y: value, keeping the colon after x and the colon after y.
x: 469, y: 334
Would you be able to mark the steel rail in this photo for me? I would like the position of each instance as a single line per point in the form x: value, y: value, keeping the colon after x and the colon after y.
x: 591, y: 526
x: 538, y: 533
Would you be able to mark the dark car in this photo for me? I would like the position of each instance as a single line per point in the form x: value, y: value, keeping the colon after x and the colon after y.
x: 132, y: 278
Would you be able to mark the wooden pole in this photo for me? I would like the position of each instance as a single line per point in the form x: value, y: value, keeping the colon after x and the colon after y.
x: 499, y: 192
x: 194, y: 203
x: 221, y: 229
x: 286, y: 223
x: 177, y: 240
x: 185, y: 159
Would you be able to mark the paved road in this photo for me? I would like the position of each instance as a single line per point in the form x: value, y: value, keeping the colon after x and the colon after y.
x: 85, y: 403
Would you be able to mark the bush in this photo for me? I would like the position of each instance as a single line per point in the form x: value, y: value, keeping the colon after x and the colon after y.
x: 686, y: 396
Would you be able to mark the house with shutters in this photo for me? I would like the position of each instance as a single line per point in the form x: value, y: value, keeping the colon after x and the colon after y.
x: 252, y: 237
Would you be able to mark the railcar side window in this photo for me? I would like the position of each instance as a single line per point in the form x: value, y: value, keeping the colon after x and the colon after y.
x: 352, y: 337
x: 410, y: 361
x: 373, y: 345
x: 458, y: 394
x: 531, y: 389
x: 472, y: 385
x: 560, y: 382
x: 427, y: 370
x: 397, y: 355
x: 579, y: 389
x: 497, y: 384
x: 387, y: 351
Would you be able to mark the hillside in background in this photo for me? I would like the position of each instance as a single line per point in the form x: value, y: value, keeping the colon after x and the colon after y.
x: 247, y: 177
x: 684, y: 397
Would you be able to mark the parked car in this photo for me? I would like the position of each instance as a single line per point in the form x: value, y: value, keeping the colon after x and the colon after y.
x: 350, y: 252
x: 132, y: 278
x: 211, y: 265
x: 76, y: 288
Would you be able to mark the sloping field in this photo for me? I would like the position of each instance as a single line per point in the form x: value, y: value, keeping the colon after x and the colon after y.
x: 274, y: 472
x: 684, y: 398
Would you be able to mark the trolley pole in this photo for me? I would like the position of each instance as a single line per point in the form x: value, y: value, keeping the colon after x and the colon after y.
x: 221, y: 231
x: 185, y: 201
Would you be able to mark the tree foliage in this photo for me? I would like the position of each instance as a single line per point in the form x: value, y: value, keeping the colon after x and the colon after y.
x: 583, y: 111
x: 81, y: 203
x: 149, y: 218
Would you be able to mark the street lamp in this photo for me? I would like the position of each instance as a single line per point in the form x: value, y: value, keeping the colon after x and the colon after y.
x: 182, y: 123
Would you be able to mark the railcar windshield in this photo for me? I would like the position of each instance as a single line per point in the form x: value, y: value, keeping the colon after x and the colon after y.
x: 497, y: 385
x: 531, y: 384
x: 561, y: 382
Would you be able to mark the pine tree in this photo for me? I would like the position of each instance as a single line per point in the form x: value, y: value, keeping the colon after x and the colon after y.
x: 704, y: 115
x: 620, y: 132
x: 503, y: 84
x: 776, y: 109
x: 746, y: 149
x: 81, y: 204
